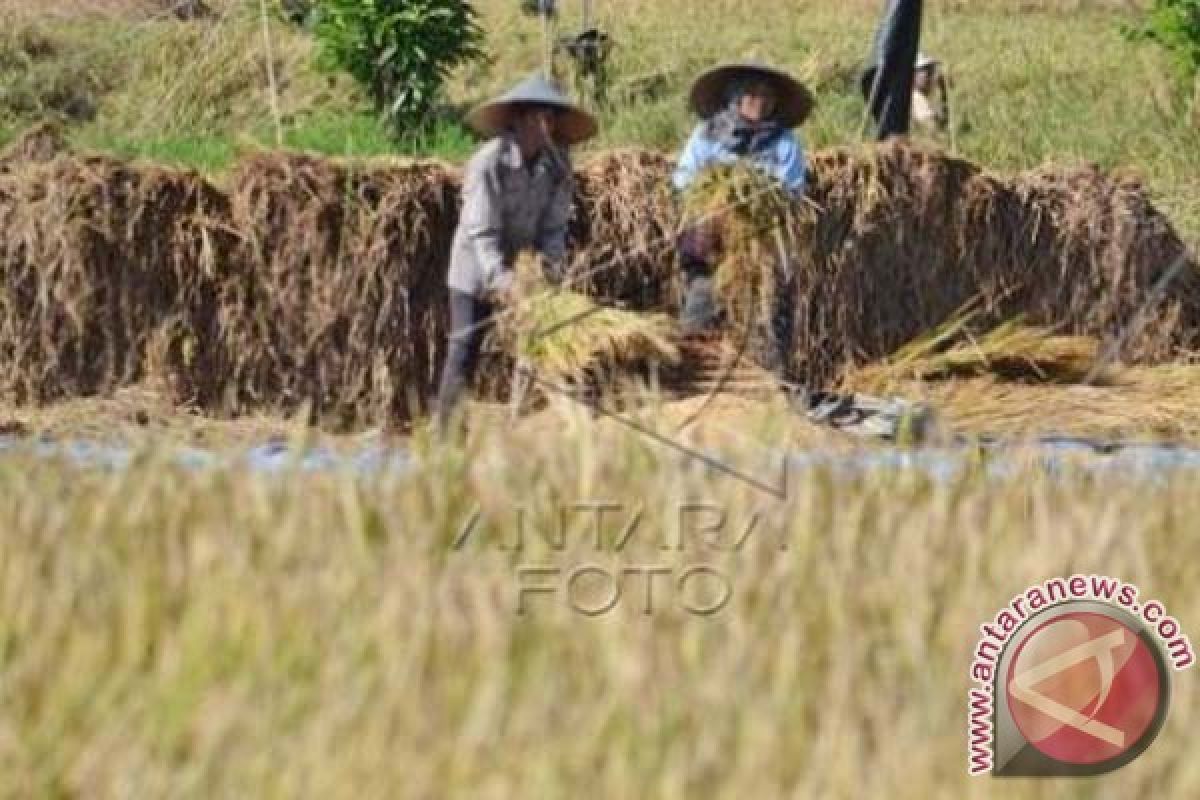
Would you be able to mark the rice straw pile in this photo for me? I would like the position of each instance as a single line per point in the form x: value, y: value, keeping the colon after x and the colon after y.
x: 1132, y: 403
x: 567, y: 337
x: 318, y: 283
x: 106, y: 270
x: 39, y: 144
x: 623, y: 231
x: 1018, y: 380
x: 337, y: 300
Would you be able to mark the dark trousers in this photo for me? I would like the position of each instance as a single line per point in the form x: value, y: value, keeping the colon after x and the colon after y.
x: 697, y: 257
x: 470, y: 320
x: 781, y: 327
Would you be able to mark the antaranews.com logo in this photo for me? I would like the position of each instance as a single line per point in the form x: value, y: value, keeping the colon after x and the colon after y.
x: 1072, y: 679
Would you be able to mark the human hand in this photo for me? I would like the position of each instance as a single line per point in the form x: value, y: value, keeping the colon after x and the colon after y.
x: 502, y: 286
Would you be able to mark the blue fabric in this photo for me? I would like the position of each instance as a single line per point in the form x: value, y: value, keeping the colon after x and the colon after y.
x: 784, y: 158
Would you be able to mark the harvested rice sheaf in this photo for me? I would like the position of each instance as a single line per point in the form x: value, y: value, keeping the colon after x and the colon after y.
x: 566, y: 336
x: 104, y: 268
x: 748, y: 212
x: 339, y: 304
x: 764, y: 238
x: 321, y: 284
x: 623, y: 231
x: 1012, y: 351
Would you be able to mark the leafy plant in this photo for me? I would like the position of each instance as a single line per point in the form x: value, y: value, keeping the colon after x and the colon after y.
x: 401, y: 51
x: 1175, y: 25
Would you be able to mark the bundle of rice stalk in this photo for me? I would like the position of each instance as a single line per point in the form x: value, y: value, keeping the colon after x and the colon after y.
x: 102, y: 266
x: 622, y: 229
x: 755, y: 221
x: 566, y: 336
x: 1011, y: 351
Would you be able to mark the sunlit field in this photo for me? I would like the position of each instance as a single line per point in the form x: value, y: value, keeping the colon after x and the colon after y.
x: 220, y: 634
x: 556, y: 607
x: 1031, y: 81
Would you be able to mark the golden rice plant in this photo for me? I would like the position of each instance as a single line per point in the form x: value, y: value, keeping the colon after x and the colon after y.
x: 170, y: 633
x: 1012, y: 350
x: 756, y: 222
x: 564, y: 334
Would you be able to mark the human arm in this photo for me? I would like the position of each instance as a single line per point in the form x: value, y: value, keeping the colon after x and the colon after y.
x: 695, y: 157
x: 482, y: 218
x: 790, y: 165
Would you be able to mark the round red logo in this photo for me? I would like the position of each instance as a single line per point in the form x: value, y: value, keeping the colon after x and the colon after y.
x: 1084, y: 688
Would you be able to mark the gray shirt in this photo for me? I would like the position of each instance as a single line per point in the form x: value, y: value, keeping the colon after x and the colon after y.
x: 509, y: 206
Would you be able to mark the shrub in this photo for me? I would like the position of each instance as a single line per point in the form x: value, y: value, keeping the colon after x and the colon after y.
x: 401, y: 51
x: 1175, y: 25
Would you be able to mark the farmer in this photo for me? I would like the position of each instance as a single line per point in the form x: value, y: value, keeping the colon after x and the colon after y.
x: 517, y: 193
x: 748, y: 112
x: 928, y: 111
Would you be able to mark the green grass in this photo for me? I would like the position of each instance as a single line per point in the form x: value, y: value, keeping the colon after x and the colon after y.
x: 205, y: 153
x: 353, y: 135
x: 1061, y: 84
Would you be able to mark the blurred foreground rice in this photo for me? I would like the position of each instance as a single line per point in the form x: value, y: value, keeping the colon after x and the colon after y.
x: 218, y: 634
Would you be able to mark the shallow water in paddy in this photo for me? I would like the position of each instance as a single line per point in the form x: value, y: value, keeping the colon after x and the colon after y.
x: 1052, y: 455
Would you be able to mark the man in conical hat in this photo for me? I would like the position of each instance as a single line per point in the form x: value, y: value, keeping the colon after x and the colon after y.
x: 517, y: 194
x: 748, y: 112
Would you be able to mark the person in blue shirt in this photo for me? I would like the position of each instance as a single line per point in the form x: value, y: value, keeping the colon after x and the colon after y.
x: 748, y: 112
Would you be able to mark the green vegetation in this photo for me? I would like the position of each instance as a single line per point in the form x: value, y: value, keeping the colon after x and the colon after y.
x: 352, y: 134
x: 1175, y: 24
x: 400, y: 51
x: 1042, y: 85
x: 209, y: 153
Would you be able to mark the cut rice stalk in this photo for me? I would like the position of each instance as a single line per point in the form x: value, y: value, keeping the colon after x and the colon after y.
x: 1011, y: 351
x: 565, y: 335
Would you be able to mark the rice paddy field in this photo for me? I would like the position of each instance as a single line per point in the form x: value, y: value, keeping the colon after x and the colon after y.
x: 234, y: 561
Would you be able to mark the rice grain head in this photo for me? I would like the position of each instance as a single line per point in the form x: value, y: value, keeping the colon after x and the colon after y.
x: 759, y: 226
x: 566, y: 335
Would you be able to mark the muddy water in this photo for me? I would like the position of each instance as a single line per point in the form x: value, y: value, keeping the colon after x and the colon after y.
x: 272, y: 457
x: 1052, y: 455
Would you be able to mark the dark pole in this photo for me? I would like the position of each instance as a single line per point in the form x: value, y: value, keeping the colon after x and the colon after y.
x: 888, y: 80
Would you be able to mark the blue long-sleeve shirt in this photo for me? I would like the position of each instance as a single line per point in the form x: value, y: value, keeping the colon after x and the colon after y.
x: 785, y: 159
